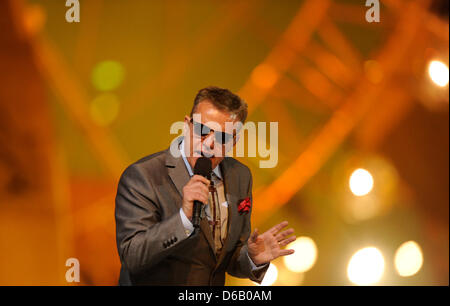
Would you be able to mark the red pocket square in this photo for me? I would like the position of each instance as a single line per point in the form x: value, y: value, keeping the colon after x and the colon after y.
x: 244, y: 205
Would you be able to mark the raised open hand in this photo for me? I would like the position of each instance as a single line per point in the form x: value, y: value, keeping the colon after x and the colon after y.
x: 268, y: 246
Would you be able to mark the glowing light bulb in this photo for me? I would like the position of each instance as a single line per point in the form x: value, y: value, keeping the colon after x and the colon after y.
x: 438, y: 72
x: 104, y: 109
x: 304, y: 257
x: 107, y: 75
x: 366, y: 266
x: 408, y: 259
x: 361, y: 182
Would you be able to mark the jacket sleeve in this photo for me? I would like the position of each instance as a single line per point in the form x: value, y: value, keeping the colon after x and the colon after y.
x: 143, y: 239
x: 240, y: 265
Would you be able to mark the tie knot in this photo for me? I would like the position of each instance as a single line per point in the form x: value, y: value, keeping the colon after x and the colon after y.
x: 215, y: 178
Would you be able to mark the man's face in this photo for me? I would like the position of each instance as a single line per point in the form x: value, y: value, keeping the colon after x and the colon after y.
x: 203, y: 133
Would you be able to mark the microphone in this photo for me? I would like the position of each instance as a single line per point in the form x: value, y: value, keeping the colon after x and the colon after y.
x: 202, y: 167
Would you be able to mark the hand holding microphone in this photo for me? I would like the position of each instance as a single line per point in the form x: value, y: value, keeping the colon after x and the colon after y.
x: 196, y: 191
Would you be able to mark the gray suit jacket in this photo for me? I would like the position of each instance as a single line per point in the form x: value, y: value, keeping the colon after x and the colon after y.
x: 153, y: 246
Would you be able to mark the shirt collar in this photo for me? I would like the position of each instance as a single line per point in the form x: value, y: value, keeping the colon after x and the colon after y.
x: 216, y: 170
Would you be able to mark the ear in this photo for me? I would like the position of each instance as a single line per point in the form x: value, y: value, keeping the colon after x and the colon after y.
x: 236, y: 139
x: 187, y: 120
x: 237, y: 131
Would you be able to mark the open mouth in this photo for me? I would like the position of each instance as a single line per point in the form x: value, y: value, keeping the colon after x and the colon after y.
x: 205, y: 154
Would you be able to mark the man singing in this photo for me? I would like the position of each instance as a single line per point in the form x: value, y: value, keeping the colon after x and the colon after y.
x: 156, y: 240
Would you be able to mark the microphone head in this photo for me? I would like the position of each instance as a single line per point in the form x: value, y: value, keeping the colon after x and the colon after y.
x: 203, y: 167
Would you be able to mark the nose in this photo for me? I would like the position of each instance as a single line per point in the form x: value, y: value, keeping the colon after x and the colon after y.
x: 208, y: 142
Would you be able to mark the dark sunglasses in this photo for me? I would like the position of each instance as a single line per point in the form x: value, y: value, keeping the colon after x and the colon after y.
x: 203, y: 131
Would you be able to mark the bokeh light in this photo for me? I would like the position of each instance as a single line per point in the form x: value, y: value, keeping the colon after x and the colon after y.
x: 373, y: 71
x: 34, y: 19
x: 361, y: 182
x: 438, y: 72
x: 304, y: 257
x: 104, y: 109
x: 408, y: 259
x: 264, y: 76
x: 107, y: 75
x: 366, y: 266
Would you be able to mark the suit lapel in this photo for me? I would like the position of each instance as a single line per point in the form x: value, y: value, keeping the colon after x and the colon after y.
x: 180, y: 177
x: 177, y: 172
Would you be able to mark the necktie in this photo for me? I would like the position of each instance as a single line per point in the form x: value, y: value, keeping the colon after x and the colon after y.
x: 218, y: 213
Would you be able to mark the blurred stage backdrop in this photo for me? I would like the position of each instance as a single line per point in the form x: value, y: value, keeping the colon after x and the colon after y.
x: 362, y: 112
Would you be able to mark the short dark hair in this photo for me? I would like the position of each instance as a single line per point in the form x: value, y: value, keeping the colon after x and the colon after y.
x: 223, y: 99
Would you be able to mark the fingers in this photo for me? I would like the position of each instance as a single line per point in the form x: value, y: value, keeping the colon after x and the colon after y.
x: 286, y: 241
x: 198, y: 196
x: 286, y: 252
x: 197, y: 189
x: 199, y: 178
x: 278, y: 227
x: 283, y: 234
x: 202, y: 187
x: 254, y: 235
